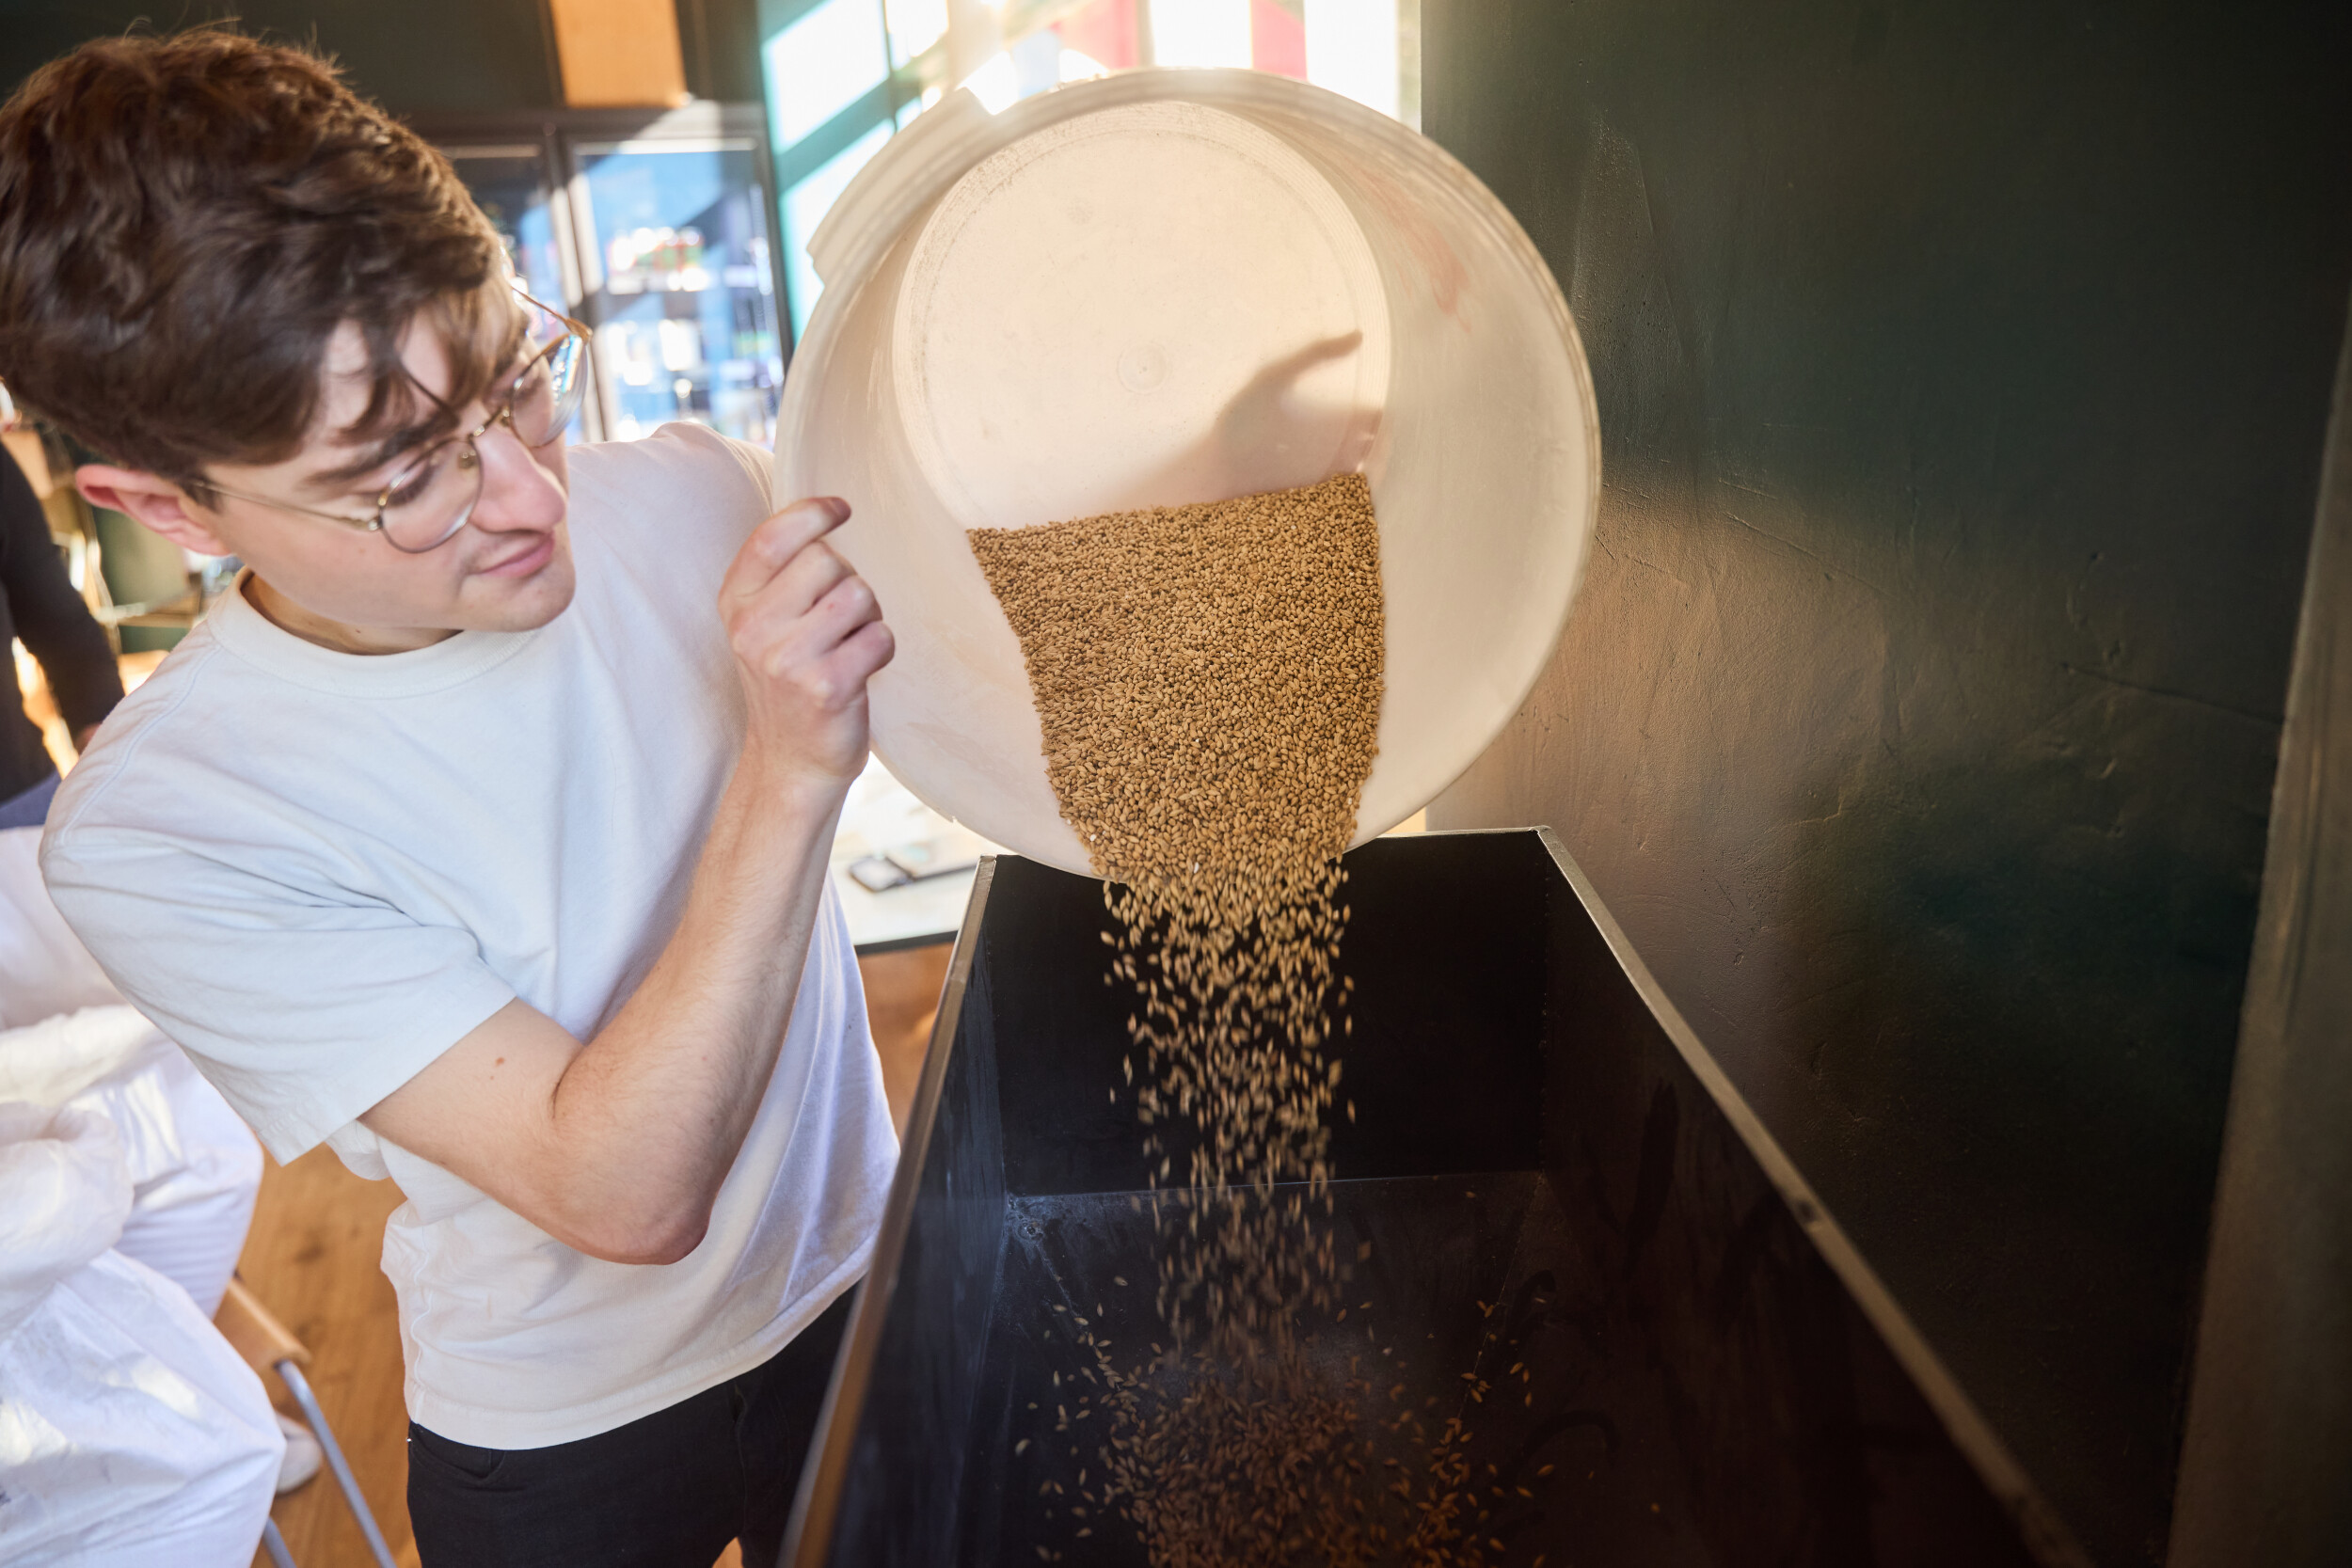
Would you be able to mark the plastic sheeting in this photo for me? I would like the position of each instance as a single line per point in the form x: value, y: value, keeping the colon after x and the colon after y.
x: 66, y: 1038
x: 131, y: 1434
x: 194, y: 1167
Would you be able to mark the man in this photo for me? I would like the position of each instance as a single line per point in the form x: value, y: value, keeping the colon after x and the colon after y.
x: 38, y: 603
x: 466, y: 835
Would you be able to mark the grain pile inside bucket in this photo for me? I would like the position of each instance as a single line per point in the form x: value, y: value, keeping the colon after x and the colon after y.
x: 1209, y: 679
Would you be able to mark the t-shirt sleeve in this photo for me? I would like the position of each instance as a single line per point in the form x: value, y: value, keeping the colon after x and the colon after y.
x: 673, y: 507
x: 759, y: 466
x: 304, y: 1009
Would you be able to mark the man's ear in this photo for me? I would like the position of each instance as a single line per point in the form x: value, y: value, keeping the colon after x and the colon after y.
x: 157, y: 502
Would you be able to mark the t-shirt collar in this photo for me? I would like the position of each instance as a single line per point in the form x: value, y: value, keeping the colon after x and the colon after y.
x: 245, y: 631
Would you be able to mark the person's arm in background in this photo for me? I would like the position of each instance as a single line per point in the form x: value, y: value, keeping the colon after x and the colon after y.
x: 50, y: 617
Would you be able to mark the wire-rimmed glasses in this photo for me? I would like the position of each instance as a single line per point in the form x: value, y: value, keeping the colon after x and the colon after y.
x: 434, y: 495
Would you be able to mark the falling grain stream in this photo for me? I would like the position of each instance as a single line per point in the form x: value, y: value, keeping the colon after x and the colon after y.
x: 1208, y: 680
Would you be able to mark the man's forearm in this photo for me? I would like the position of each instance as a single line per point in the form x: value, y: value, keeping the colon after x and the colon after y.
x: 618, y: 1145
x: 651, y: 1112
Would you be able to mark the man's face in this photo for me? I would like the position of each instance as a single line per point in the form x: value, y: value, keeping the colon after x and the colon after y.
x: 508, y: 569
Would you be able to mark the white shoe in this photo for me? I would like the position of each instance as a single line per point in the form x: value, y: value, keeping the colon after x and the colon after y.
x: 303, y: 1455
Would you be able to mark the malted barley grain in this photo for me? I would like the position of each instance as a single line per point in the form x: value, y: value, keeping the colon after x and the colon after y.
x: 1208, y: 680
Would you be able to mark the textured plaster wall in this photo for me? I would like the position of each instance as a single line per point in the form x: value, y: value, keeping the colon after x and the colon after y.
x: 1963, y: 370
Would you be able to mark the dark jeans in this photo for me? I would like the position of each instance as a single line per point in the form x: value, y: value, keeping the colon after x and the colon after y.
x: 669, y: 1490
x: 30, y: 809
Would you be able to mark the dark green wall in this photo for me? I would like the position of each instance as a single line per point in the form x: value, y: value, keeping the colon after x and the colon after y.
x: 415, y: 56
x: 1963, y: 369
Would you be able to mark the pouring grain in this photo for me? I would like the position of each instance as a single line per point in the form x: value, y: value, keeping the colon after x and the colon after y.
x: 1208, y: 682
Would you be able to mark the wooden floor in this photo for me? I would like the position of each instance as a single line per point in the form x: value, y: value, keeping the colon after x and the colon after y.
x: 313, y: 1259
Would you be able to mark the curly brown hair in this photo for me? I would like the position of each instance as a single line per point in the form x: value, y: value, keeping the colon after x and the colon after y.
x: 185, y: 222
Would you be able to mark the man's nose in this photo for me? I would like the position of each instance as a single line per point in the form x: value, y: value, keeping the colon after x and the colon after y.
x: 517, y: 492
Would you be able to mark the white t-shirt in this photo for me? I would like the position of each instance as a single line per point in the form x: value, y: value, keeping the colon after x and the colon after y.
x: 317, y: 871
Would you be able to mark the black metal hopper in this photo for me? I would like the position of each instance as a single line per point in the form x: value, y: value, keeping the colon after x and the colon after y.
x: 1541, y: 1150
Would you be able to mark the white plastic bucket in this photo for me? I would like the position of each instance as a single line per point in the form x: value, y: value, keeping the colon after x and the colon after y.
x: 1174, y: 286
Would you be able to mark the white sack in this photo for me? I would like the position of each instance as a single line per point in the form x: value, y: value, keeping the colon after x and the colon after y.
x: 44, y: 969
x: 131, y: 1434
x: 195, y: 1168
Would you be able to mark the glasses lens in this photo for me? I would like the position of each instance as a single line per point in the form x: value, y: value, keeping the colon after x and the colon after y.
x: 8, y: 408
x: 567, y: 372
x: 547, y: 394
x: 433, y: 497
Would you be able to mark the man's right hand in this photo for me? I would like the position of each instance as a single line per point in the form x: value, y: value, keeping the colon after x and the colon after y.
x: 807, y: 635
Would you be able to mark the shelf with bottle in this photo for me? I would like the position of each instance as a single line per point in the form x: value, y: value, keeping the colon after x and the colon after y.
x: 657, y: 261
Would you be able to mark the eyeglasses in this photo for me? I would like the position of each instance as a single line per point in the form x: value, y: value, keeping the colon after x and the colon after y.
x: 434, y: 495
x: 8, y: 408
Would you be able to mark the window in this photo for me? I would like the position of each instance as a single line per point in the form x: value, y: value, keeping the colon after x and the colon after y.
x: 843, y: 75
x: 653, y: 227
x: 687, y: 327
